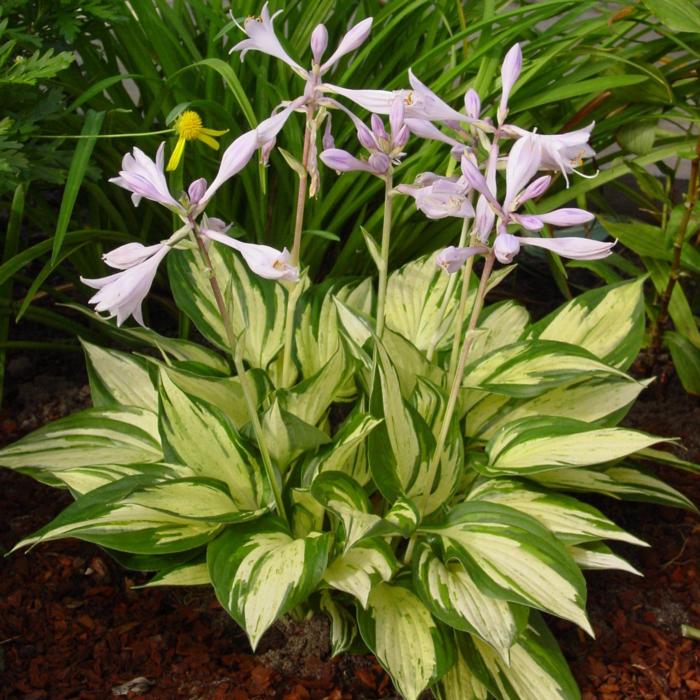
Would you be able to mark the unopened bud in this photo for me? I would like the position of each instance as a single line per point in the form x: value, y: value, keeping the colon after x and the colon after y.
x: 396, y: 115
x: 379, y: 163
x: 196, y: 190
x: 319, y: 42
x: 378, y: 127
x: 472, y: 104
x: 364, y: 136
x: 506, y: 247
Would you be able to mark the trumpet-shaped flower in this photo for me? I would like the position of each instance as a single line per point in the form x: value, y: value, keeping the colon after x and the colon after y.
x: 144, y: 177
x: 263, y: 260
x: 510, y: 72
x: 452, y: 258
x: 122, y: 293
x: 507, y: 246
x: 439, y: 197
x: 189, y: 127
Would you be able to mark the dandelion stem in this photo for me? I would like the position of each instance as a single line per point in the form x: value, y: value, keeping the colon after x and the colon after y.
x: 252, y: 409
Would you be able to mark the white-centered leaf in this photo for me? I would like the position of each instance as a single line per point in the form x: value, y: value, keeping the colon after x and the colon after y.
x: 343, y: 626
x: 260, y: 572
x: 596, y: 555
x: 413, y: 648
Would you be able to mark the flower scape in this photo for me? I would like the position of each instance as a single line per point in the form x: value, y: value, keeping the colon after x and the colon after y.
x: 394, y: 453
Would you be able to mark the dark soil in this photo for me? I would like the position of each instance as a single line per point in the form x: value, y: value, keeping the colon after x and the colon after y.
x: 73, y: 626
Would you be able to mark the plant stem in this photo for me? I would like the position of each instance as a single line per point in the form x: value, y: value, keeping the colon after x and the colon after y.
x: 690, y: 202
x: 245, y: 386
x: 386, y: 241
x: 296, y: 254
x: 461, y: 314
x: 449, y: 288
x: 463, y: 356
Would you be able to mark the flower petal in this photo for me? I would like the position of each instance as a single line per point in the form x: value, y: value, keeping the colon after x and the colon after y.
x: 523, y: 162
x: 352, y: 40
x: 572, y: 247
x: 452, y: 258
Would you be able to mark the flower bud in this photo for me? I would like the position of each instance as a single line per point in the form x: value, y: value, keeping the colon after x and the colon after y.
x: 506, y: 247
x: 472, y: 104
x: 401, y: 138
x: 328, y: 141
x: 510, y: 72
x: 319, y: 42
x: 379, y: 163
x: 129, y: 255
x: 196, y: 190
x: 364, y: 136
x: 396, y: 115
x: 378, y: 127
x: 451, y: 258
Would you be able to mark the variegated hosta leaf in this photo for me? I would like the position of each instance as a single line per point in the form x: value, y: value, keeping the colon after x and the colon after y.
x: 533, y: 445
x: 401, y: 449
x: 187, y: 574
x: 342, y: 454
x: 307, y: 512
x: 624, y: 482
x: 184, y: 351
x: 343, y: 627
x: 199, y: 435
x: 317, y: 332
x: 362, y: 567
x: 225, y: 393
x: 609, y: 322
x: 510, y: 555
x: 537, y: 669
x: 591, y: 401
x: 453, y: 596
x: 80, y: 480
x: 465, y: 680
x: 652, y: 455
x: 409, y: 362
x: 347, y: 500
x: 501, y: 324
x: 596, y: 555
x: 529, y: 368
x: 89, y: 438
x: 287, y: 436
x: 139, y: 516
x: 119, y: 379
x: 414, y: 648
x: 260, y: 572
x: 257, y: 306
x: 309, y: 400
x: 570, y: 520
x: 418, y: 305
x: 404, y: 516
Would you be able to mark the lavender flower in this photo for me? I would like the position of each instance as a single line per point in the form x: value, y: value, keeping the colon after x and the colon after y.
x: 507, y: 246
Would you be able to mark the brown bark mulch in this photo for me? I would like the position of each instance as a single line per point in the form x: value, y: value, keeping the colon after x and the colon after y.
x: 73, y: 625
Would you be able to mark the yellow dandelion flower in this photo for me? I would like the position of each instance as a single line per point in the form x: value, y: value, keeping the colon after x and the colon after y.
x: 189, y: 127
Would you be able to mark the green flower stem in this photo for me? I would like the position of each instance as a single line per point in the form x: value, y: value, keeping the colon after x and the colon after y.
x: 461, y: 313
x: 463, y: 356
x: 292, y: 298
x: 245, y: 386
x: 384, y: 253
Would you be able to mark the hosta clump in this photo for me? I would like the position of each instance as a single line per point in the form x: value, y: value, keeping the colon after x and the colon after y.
x: 403, y: 461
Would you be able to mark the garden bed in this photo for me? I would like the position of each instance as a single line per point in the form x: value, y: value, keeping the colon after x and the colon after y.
x: 73, y: 625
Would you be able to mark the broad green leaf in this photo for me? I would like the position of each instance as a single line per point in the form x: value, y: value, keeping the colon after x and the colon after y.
x: 225, y: 393
x: 570, y: 520
x: 260, y: 573
x: 197, y: 434
x: 537, y: 668
x: 529, y: 368
x: 510, y: 555
x: 92, y: 437
x: 414, y: 649
x: 623, y: 482
x: 596, y: 555
x: 461, y: 682
x: 453, y: 596
x: 608, y: 322
x: 532, y: 445
x: 187, y: 574
x: 652, y: 455
x: 421, y: 302
x: 591, y: 400
x: 119, y: 379
x: 346, y: 453
x: 287, y: 436
x: 138, y: 516
x: 362, y: 567
x: 503, y: 324
x: 257, y: 306
x: 401, y: 449
x: 307, y: 513
x: 343, y: 626
x: 686, y: 360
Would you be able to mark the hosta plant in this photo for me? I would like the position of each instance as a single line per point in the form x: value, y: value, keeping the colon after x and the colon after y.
x: 401, y: 456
